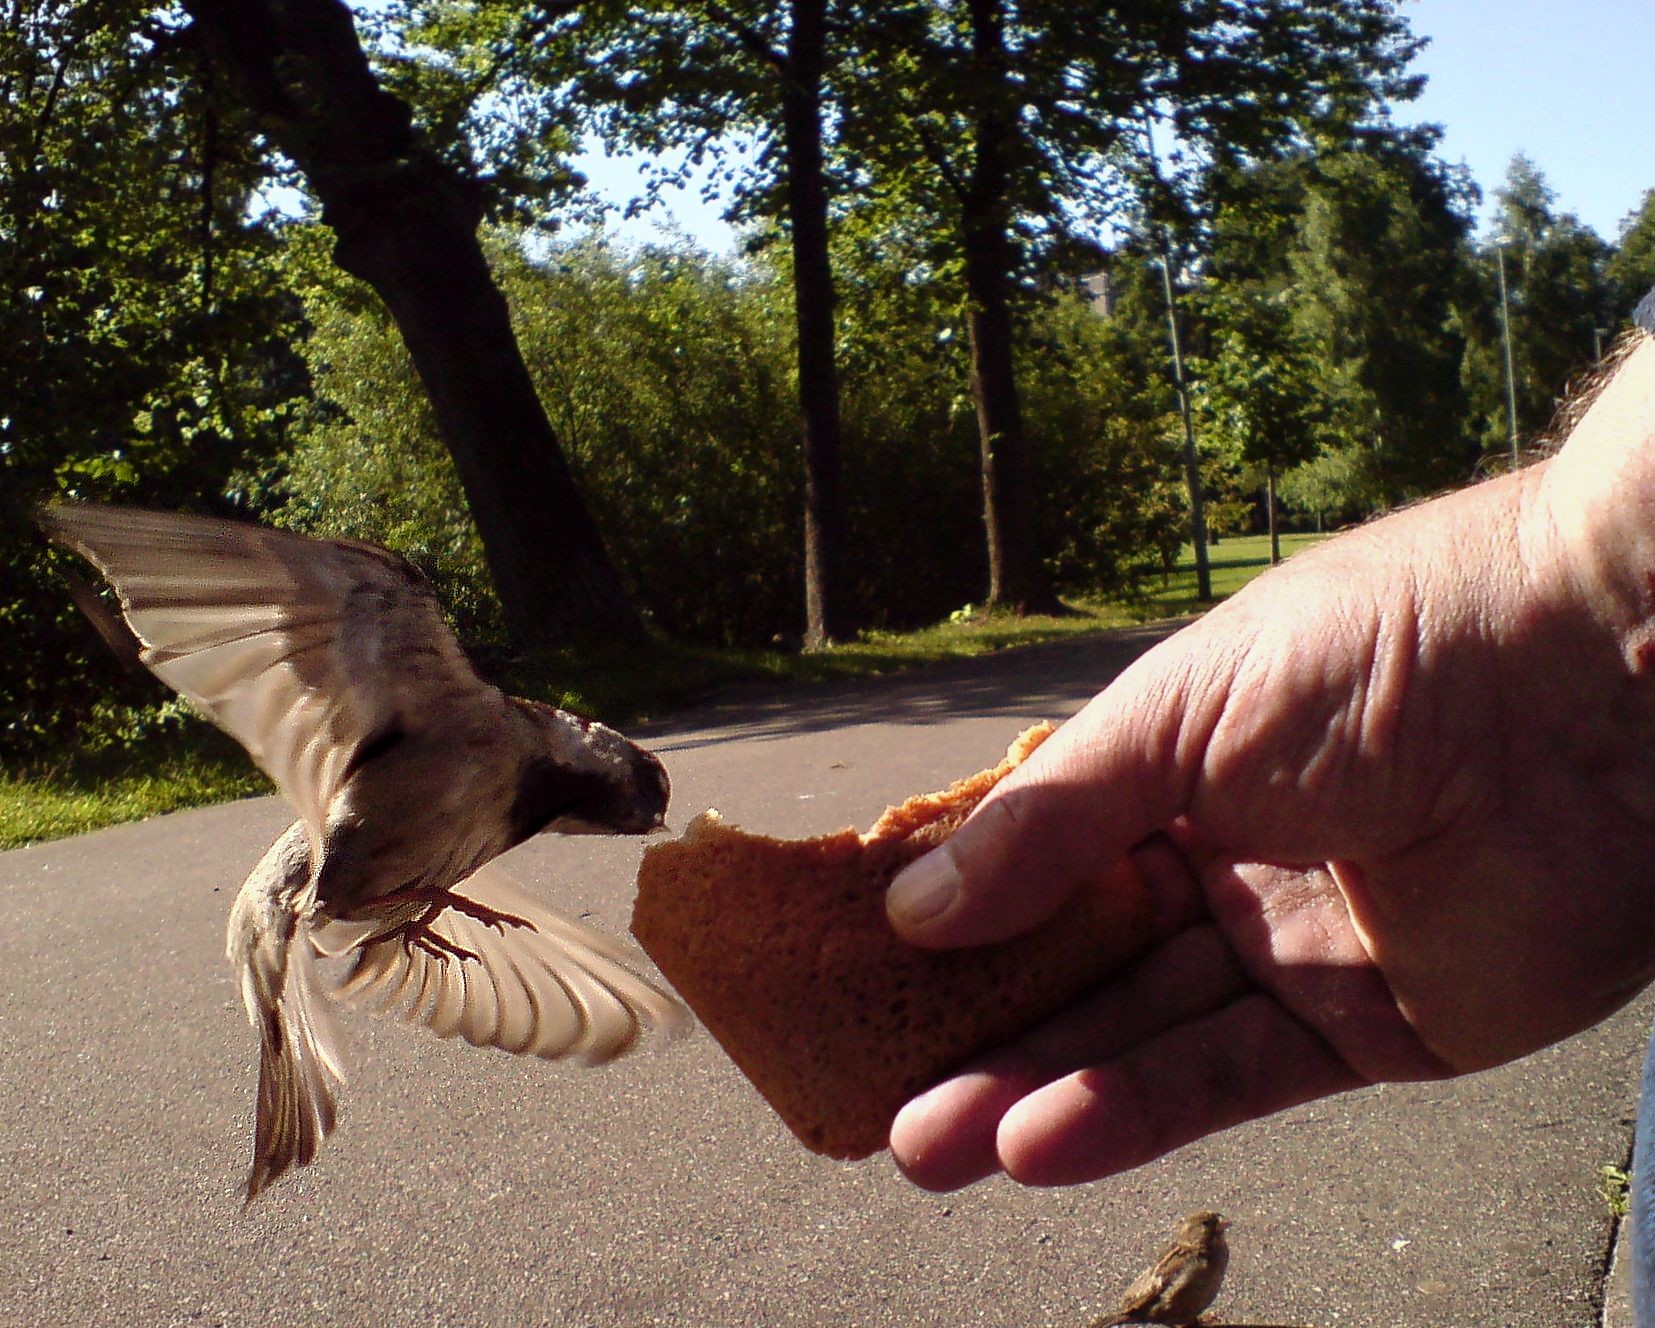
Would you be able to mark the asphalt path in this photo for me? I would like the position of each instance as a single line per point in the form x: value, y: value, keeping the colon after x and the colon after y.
x: 468, y: 1188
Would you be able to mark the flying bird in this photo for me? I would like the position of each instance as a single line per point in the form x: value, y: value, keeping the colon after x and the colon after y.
x: 1182, y: 1282
x: 330, y: 662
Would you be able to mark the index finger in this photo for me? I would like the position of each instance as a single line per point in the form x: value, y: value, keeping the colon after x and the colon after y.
x: 1117, y: 772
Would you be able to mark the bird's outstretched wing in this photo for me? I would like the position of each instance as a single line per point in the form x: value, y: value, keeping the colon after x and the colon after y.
x: 307, y: 651
x: 497, y: 967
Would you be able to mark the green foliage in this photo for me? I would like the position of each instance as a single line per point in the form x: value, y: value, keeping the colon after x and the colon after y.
x: 1067, y: 112
x: 1359, y: 248
x: 1106, y: 446
x: 669, y: 378
x: 159, y: 334
x: 1379, y: 265
x: 1615, y: 1189
x: 1559, y: 299
x: 460, y: 68
x: 144, y: 348
x: 1258, y: 393
x: 1630, y: 270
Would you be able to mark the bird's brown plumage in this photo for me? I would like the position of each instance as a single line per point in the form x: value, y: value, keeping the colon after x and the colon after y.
x: 330, y: 662
x: 1180, y: 1284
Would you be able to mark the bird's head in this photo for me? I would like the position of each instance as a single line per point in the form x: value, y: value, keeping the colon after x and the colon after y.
x: 1204, y: 1226
x: 586, y: 779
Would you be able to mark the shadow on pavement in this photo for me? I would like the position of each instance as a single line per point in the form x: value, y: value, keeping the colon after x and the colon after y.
x: 1061, y: 673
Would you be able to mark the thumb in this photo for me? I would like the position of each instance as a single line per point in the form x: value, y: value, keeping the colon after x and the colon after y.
x: 1104, y: 781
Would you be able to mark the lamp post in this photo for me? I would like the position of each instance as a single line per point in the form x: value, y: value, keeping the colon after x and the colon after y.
x: 1192, y: 458
x: 1505, y: 336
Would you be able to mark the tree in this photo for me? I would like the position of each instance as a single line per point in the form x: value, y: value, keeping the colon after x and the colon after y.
x: 990, y: 258
x: 1378, y: 267
x: 1015, y: 122
x: 406, y: 223
x: 1259, y: 391
x: 690, y: 78
x: 687, y: 76
x: 145, y: 344
x: 958, y: 88
x: 799, y: 69
x: 1559, y: 300
x: 1630, y: 270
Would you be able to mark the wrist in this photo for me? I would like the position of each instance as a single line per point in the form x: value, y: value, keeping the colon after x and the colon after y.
x: 1596, y: 506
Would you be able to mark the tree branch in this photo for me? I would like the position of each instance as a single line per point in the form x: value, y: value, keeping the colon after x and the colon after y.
x: 528, y: 30
x: 749, y: 38
x: 938, y: 157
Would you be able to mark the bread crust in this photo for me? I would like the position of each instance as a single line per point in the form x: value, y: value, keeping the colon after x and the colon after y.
x: 783, y: 950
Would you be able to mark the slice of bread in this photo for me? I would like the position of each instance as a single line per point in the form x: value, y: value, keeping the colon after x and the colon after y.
x: 783, y: 950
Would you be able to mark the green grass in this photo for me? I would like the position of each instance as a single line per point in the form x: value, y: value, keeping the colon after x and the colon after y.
x: 191, y: 764
x: 1615, y: 1189
x: 1233, y: 562
x: 86, y: 791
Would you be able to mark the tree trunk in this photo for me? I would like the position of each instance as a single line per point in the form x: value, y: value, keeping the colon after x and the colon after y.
x: 827, y: 611
x: 1017, y: 578
x: 406, y: 223
x: 1270, y: 514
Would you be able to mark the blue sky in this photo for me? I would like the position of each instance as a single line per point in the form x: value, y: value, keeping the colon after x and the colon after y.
x: 1571, y: 84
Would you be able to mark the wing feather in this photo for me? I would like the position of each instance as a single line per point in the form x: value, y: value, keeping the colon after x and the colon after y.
x: 520, y: 1018
x: 528, y: 980
x: 374, y: 980
x: 416, y: 987
x: 301, y: 649
x: 557, y: 1022
x: 448, y: 1009
x: 481, y: 1020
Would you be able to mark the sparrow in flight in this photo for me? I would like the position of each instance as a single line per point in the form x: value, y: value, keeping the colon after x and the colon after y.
x: 330, y: 662
x: 1182, y: 1282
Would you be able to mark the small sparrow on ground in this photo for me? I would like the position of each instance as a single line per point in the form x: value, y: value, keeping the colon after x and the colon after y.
x: 329, y: 661
x: 1184, y: 1280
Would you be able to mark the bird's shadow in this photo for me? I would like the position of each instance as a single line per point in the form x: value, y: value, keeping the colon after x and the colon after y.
x: 1205, y: 1322
x: 1238, y: 1323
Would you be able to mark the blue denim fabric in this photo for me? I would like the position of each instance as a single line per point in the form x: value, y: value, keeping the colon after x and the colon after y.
x: 1643, y: 1198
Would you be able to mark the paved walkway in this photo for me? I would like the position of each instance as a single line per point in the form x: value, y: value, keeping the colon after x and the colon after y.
x: 467, y: 1188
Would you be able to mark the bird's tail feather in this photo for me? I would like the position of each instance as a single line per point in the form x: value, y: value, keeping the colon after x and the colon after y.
x: 300, y: 1071
x: 301, y: 1063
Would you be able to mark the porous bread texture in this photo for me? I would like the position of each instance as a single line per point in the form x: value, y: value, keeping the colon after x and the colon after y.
x: 783, y: 950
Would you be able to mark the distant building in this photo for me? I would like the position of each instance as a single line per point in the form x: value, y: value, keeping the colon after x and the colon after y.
x: 1100, y: 293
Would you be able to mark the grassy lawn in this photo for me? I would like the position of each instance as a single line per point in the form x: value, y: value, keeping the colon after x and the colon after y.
x: 197, y: 765
x: 1233, y: 562
x: 87, y: 792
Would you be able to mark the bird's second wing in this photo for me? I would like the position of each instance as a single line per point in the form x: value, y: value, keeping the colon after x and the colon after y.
x: 500, y: 969
x: 306, y: 651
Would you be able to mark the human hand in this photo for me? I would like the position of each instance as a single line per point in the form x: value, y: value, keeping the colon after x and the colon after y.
x: 1396, y: 802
